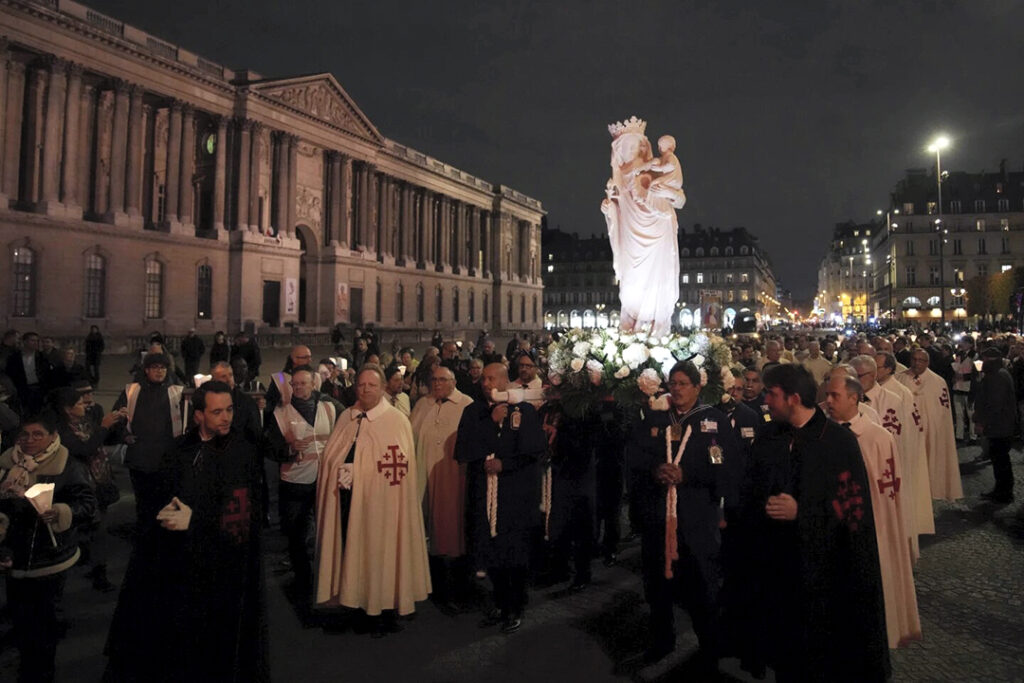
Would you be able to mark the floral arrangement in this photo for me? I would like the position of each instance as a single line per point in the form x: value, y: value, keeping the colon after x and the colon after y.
x: 586, y: 367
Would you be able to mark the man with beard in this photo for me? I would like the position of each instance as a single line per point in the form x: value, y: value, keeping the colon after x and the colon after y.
x: 501, y: 445
x: 195, y: 581
x: 931, y: 395
x: 683, y: 466
x: 818, y: 598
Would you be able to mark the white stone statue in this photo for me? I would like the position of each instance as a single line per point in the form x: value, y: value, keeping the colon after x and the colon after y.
x: 641, y: 198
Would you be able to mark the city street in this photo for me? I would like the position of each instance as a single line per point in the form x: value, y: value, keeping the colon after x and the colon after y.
x: 970, y: 586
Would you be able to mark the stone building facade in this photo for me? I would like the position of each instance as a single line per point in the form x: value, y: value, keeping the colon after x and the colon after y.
x: 727, y: 267
x: 143, y: 187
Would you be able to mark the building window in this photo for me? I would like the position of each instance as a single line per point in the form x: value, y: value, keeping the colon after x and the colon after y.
x: 731, y: 295
x: 455, y: 304
x: 700, y: 278
x: 686, y: 278
x: 471, y: 314
x: 980, y: 225
x: 699, y: 252
x: 979, y: 205
x: 744, y: 295
x: 487, y: 307
x: 1005, y: 267
x: 24, y: 270
x: 954, y: 206
x: 714, y: 251
x: 982, y: 270
x: 508, y: 307
x: 728, y: 251
x: 522, y: 308
x: 1004, y: 205
x: 399, y: 302
x: 728, y: 278
x: 932, y: 208
x: 714, y: 278
x: 95, y: 286
x: 1006, y: 245
x: 745, y: 278
x: 154, y: 302
x: 686, y: 251
x: 910, y: 248
x: 933, y: 247
x: 981, y: 245
x: 419, y: 303
x: 933, y: 275
x: 911, y: 276
x: 378, y: 302
x: 438, y: 301
x: 908, y: 207
x: 1004, y: 224
x: 204, y: 292
x: 957, y: 247
x: 535, y: 308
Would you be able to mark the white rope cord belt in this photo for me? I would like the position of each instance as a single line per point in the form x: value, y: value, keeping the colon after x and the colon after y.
x: 671, y: 498
x: 492, y: 500
x: 545, y: 501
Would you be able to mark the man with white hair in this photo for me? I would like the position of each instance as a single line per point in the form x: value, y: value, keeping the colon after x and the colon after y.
x: 815, y: 363
x: 932, y: 399
x: 772, y: 355
x: 898, y: 419
x: 885, y: 476
x: 435, y: 422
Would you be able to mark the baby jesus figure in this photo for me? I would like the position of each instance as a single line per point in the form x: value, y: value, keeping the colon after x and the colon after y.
x: 668, y: 181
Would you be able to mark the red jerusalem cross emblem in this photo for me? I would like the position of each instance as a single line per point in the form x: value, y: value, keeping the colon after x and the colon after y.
x: 889, y: 480
x: 848, y: 503
x: 393, y: 465
x: 944, y: 399
x: 891, y: 422
x: 234, y: 519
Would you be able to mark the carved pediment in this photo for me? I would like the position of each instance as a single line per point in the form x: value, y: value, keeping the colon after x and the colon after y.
x: 321, y: 97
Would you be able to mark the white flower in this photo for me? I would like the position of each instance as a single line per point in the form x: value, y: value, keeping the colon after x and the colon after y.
x: 555, y: 378
x: 649, y: 382
x: 698, y: 360
x: 596, y: 370
x: 609, y: 349
x: 595, y: 340
x: 581, y: 349
x: 613, y: 334
x: 635, y: 354
x: 622, y: 373
x: 662, y: 355
x: 576, y: 364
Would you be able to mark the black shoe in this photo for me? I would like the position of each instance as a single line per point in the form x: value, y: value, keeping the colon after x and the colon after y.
x: 998, y: 497
x: 492, y: 618
x: 658, y: 652
x: 611, y: 559
x: 512, y: 623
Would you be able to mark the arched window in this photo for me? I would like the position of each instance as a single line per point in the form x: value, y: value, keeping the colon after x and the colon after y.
x: 686, y: 251
x: 204, y: 292
x: 24, y: 270
x: 487, y: 307
x: 154, y: 295
x: 437, y: 303
x: 95, y: 286
x: 508, y: 307
x: 728, y: 251
x: 700, y: 251
x: 399, y: 302
x: 378, y: 302
x: 744, y: 250
x: 714, y: 251
x: 455, y: 304
x: 419, y: 303
x: 471, y: 315
x: 522, y: 309
x: 534, y: 308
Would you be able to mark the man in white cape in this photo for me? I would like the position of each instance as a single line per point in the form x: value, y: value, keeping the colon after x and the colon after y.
x: 897, y: 418
x: 435, y: 423
x: 371, y: 548
x: 882, y: 461
x: 932, y: 399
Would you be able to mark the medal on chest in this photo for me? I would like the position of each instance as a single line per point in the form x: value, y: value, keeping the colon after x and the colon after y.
x: 715, y: 453
x: 676, y: 432
x: 516, y: 418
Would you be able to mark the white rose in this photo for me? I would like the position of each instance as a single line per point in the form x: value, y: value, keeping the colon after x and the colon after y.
x: 698, y: 360
x: 609, y: 349
x: 581, y: 349
x: 635, y: 354
x: 622, y: 373
x: 576, y: 364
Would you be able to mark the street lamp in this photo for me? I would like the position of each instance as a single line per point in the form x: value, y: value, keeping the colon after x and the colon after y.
x: 940, y: 143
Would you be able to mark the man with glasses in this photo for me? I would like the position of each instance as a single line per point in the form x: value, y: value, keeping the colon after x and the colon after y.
x: 280, y: 392
x: 435, y: 422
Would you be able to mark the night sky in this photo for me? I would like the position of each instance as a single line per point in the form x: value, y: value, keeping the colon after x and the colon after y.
x: 789, y: 116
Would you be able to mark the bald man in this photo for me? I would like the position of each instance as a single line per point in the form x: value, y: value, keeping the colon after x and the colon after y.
x: 280, y: 391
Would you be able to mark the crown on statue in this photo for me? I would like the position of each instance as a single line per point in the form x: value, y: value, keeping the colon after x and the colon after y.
x: 631, y: 125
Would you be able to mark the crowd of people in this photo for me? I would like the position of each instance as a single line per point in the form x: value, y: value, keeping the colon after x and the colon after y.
x: 784, y: 515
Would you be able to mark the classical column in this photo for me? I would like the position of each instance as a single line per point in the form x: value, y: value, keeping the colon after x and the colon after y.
x: 280, y: 158
x: 361, y: 212
x: 86, y: 137
x: 474, y: 240
x: 53, y: 119
x: 136, y: 144
x: 243, y: 128
x: 384, y: 218
x: 487, y: 246
x: 345, y: 200
x: 220, y: 174
x: 426, y: 202
x: 372, y: 211
x: 186, y: 191
x: 254, y: 177
x: 293, y: 181
x: 173, y: 174
x: 333, y: 227
x: 70, y: 163
x: 404, y: 255
x: 12, y: 129
x: 524, y: 250
x: 118, y: 152
x: 458, y: 243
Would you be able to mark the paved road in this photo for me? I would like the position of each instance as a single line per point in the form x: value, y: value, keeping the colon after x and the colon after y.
x: 970, y: 583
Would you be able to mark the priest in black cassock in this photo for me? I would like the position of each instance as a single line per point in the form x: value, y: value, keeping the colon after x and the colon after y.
x: 815, y: 610
x: 504, y: 442
x: 192, y: 604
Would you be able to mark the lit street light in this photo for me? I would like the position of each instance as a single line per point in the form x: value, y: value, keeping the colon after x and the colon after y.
x: 940, y: 143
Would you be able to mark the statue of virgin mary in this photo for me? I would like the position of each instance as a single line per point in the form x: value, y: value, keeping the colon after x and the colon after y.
x: 642, y: 228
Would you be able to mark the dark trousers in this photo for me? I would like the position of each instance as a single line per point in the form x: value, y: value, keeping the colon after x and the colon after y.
x: 33, y: 607
x: 577, y: 537
x: 509, y: 588
x: 999, y: 454
x: 296, y: 503
x: 609, y: 500
x: 695, y: 584
x: 149, y: 497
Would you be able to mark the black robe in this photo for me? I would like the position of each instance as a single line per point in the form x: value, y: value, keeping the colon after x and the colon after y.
x: 815, y: 601
x: 192, y: 604
x: 519, y: 448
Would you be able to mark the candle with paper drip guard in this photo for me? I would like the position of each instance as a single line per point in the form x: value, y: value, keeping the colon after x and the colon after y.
x: 41, y: 497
